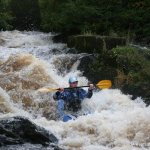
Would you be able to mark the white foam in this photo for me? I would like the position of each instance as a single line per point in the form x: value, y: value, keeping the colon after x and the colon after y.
x: 114, y: 120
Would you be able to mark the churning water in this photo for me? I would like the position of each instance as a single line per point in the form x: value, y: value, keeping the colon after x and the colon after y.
x: 30, y: 60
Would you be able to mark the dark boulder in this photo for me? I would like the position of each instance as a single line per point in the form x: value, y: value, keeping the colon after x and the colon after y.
x: 7, y: 137
x: 19, y: 130
x: 60, y: 38
x: 29, y: 146
x: 96, y: 69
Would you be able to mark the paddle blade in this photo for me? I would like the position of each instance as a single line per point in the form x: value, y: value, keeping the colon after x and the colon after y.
x: 104, y: 84
x: 46, y: 89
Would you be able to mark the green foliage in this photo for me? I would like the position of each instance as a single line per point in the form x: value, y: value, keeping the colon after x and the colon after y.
x: 5, y: 20
x: 66, y: 16
x: 113, y: 17
x: 26, y: 14
x: 99, y: 16
x: 133, y: 63
x: 5, y: 15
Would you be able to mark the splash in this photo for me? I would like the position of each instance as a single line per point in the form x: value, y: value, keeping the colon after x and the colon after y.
x: 109, y: 120
x: 26, y: 68
x: 115, y: 122
x: 5, y: 106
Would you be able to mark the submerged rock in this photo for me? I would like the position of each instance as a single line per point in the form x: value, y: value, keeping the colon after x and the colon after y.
x: 19, y: 130
x: 7, y: 137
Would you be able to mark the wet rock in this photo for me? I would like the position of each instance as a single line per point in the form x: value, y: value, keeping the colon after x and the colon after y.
x: 94, y: 43
x: 64, y: 64
x: 95, y: 69
x: 72, y: 51
x: 60, y: 38
x: 56, y: 51
x: 19, y: 130
x: 29, y: 146
x: 7, y: 137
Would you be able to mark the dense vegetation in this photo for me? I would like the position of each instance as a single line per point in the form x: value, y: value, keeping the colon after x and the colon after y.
x: 113, y: 17
x: 120, y: 17
x: 133, y: 70
x: 26, y: 14
x: 5, y: 15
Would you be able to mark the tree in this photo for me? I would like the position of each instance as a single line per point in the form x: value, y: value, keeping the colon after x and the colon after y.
x: 26, y: 13
x: 5, y: 15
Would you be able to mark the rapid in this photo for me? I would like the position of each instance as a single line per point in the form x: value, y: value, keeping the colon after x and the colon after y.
x: 31, y: 60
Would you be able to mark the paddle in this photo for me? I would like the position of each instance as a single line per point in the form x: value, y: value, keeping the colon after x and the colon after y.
x: 103, y: 84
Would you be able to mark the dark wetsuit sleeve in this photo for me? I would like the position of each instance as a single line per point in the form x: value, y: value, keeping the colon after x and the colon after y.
x: 89, y: 93
x: 56, y: 95
x: 85, y: 94
x: 60, y: 95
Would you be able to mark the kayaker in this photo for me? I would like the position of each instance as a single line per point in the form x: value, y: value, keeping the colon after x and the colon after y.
x: 70, y: 99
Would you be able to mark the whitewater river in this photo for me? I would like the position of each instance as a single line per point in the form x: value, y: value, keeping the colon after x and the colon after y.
x: 30, y: 60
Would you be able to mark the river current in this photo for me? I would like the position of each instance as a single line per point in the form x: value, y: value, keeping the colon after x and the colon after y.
x: 31, y: 60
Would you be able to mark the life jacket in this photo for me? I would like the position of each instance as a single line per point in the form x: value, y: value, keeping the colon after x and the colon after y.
x: 73, y: 102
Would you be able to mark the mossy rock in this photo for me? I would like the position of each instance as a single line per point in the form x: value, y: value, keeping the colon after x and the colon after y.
x: 94, y: 43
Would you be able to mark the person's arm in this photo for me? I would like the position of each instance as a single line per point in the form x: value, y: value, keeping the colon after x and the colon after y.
x: 59, y: 94
x: 56, y: 95
x: 87, y: 94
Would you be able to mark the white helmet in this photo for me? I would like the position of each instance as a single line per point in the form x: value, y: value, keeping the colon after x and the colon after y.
x: 73, y: 79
